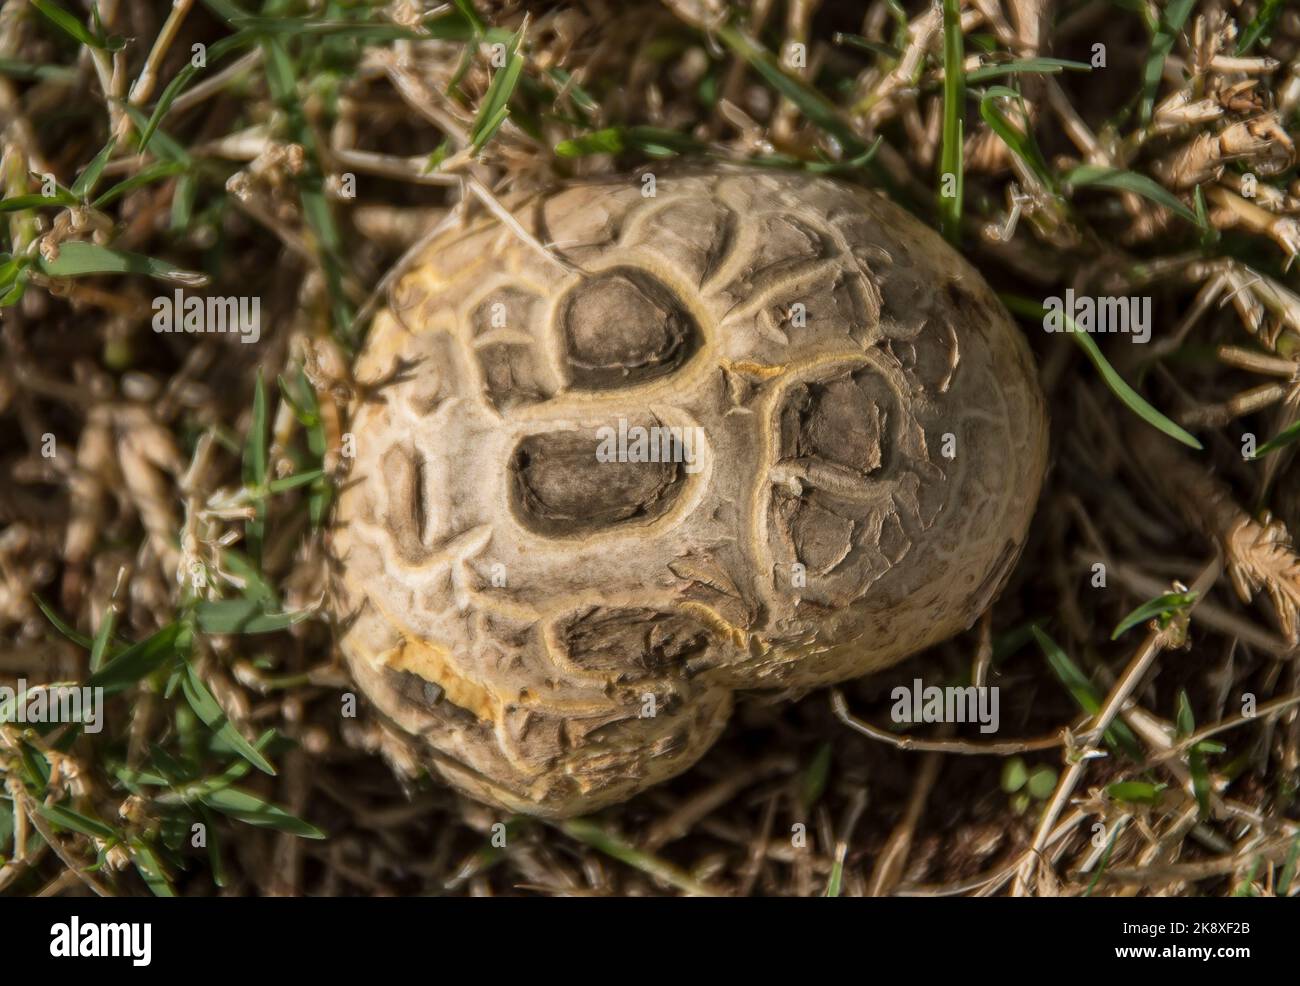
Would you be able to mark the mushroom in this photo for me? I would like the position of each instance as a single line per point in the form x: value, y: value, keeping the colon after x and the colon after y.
x: 668, y: 439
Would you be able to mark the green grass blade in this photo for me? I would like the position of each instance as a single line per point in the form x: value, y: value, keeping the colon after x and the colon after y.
x: 1259, y: 25
x: 86, y: 182
x: 75, y: 821
x: 100, y: 647
x: 216, y: 858
x: 954, y: 105
x: 496, y: 103
x: 207, y: 708
x: 1170, y: 602
x: 227, y: 11
x: 147, y: 864
x: 589, y: 833
x: 82, y: 259
x: 18, y: 203
x: 162, y: 145
x: 652, y: 141
x: 71, y: 26
x: 242, y: 616
x: 255, y: 467
x: 1017, y: 139
x: 13, y: 293
x: 217, y: 51
x: 1118, y: 385
x: 1246, y: 888
x: 476, y: 24
x: 78, y: 638
x: 255, y: 451
x: 886, y: 51
x: 1104, y: 861
x: 812, y: 104
x: 1076, y: 682
x: 146, y: 176
x: 249, y: 808
x: 328, y: 242
x: 1130, y: 397
x: 1287, y: 876
x: 256, y: 587
x: 1283, y: 438
x: 1172, y: 19
x: 190, y: 791
x: 1129, y: 181
x: 287, y: 483
x: 15, y: 69
x: 141, y: 659
x: 813, y: 783
x: 1021, y: 66
x: 374, y: 32
x: 1195, y: 758
x: 836, y: 881
x: 1136, y: 792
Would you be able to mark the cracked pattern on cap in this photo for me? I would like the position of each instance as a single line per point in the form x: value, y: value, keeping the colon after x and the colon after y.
x: 557, y: 632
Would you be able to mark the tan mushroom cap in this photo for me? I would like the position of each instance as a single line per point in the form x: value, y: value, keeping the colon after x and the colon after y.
x: 756, y: 430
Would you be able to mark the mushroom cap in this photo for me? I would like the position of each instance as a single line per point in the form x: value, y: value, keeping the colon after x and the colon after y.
x: 740, y: 429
